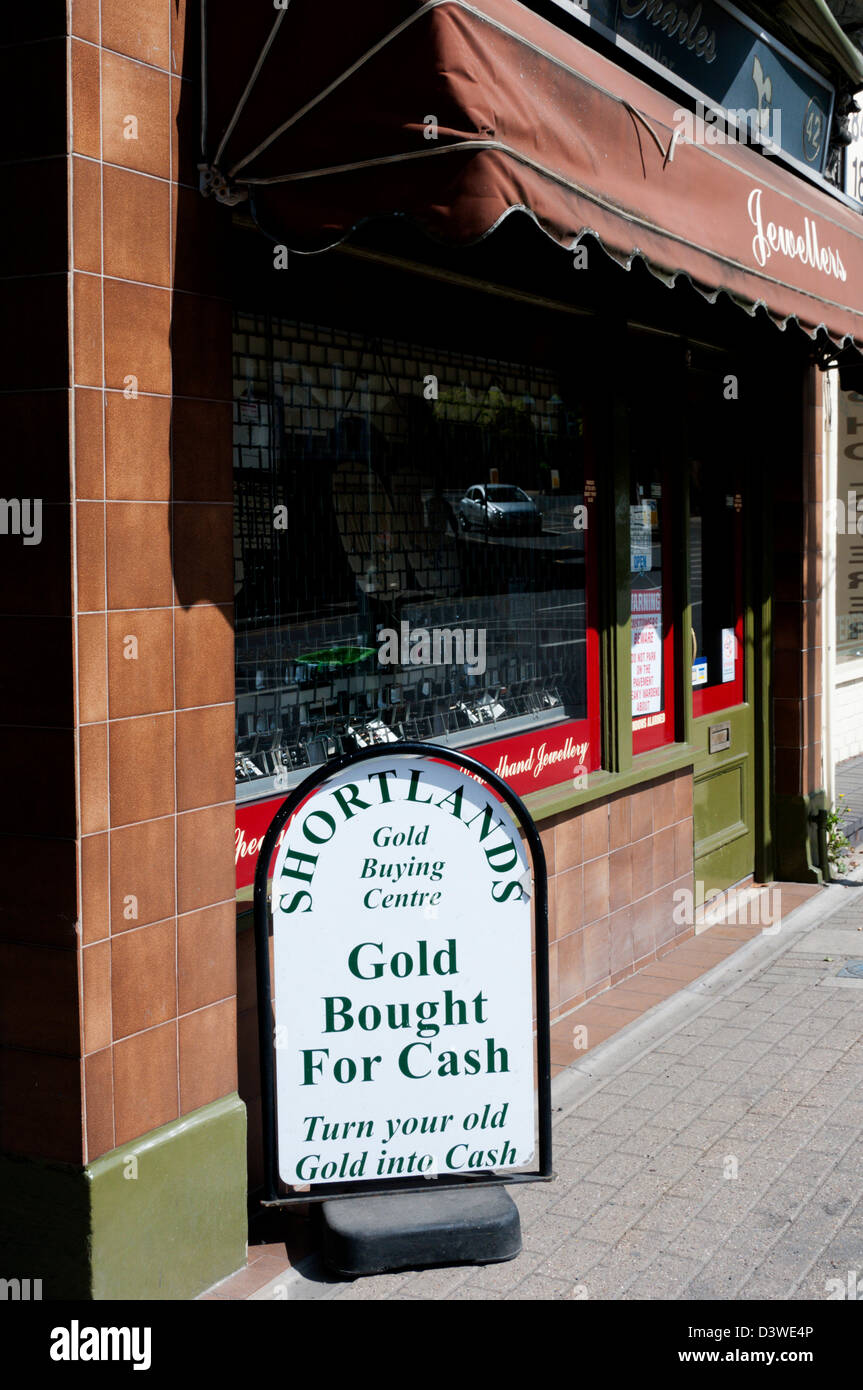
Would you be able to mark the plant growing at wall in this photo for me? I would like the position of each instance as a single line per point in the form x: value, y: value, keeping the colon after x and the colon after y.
x: 838, y: 845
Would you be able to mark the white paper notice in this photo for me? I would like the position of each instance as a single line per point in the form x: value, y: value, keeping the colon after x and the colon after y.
x: 642, y: 520
x: 729, y: 652
x: 646, y: 651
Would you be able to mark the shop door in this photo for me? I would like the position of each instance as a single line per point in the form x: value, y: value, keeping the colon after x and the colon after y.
x: 722, y: 650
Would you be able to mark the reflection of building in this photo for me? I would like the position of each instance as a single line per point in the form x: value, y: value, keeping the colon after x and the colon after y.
x: 368, y: 370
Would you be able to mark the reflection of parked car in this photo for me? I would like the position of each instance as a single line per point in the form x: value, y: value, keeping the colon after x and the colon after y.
x: 499, y: 507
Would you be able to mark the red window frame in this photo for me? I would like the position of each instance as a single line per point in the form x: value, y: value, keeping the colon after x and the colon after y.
x: 708, y: 699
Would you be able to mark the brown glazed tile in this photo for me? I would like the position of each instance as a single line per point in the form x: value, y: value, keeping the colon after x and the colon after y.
x: 202, y: 451
x: 46, y: 694
x: 597, y: 952
x: 594, y: 825
x: 85, y: 20
x: 92, y: 674
x: 568, y: 841
x: 546, y: 834
x: 812, y: 675
x: 787, y: 626
x: 203, y: 553
x: 183, y: 141
x: 663, y: 857
x: 138, y: 447
x: 90, y: 518
x: 145, y: 1082
x: 208, y: 1055
x: 620, y: 827
x: 135, y: 103
x: 89, y: 464
x: 205, y: 746
x: 596, y: 890
x: 621, y: 940
x: 663, y: 804
x: 85, y: 100
x: 621, y: 889
x: 137, y: 338
x: 94, y: 888
x: 87, y: 318
x: 570, y: 966
x: 248, y: 1055
x: 204, y: 655
x: 143, y: 977
x: 86, y: 215
x: 142, y: 874
x: 46, y: 974
x: 201, y: 337
x: 183, y: 35
x: 787, y: 723
x: 245, y: 963
x: 99, y: 1099
x: 142, y: 32
x: 207, y: 956
x: 137, y: 222
x: 205, y: 857
x: 54, y: 814
x: 139, y: 555
x: 44, y: 453
x: 788, y: 763
x: 664, y: 924
x: 641, y: 811
x: 93, y: 777
x: 684, y: 849
x: 36, y: 578
x: 569, y: 899
x: 96, y: 969
x: 41, y: 1112
x: 142, y: 768
x: 39, y: 903
x: 201, y: 238
x: 642, y: 868
x: 643, y: 933
x: 683, y: 796
x: 140, y: 661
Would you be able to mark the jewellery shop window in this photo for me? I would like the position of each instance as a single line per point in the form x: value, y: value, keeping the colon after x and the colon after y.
x: 412, y: 556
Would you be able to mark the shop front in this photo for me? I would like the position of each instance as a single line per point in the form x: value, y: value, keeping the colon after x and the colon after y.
x: 498, y: 485
x: 476, y: 403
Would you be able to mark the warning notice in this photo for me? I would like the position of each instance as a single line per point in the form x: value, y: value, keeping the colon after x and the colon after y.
x: 646, y: 651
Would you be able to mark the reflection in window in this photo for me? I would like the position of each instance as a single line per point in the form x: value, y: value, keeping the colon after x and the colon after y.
x: 409, y: 546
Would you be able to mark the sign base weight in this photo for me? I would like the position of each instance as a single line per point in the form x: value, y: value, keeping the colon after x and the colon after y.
x: 412, y: 1230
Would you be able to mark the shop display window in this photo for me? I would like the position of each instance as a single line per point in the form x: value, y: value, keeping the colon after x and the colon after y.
x: 413, y: 549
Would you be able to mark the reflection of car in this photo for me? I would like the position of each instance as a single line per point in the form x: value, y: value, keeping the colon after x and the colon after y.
x: 499, y: 507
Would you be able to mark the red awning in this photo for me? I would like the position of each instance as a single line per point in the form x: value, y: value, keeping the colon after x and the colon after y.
x: 457, y: 113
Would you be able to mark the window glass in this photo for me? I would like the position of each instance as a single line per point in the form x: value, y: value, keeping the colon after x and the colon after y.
x: 410, y: 547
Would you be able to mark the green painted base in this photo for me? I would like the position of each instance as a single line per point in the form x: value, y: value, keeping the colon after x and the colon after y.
x: 796, y: 848
x: 162, y: 1217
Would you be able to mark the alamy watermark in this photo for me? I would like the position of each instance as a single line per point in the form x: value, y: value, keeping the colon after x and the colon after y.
x: 712, y: 125
x: 845, y: 518
x: 743, y: 907
x: 21, y: 516
x: 437, y: 646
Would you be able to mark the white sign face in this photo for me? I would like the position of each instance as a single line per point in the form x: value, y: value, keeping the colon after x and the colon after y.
x: 646, y: 622
x: 729, y: 654
x: 854, y: 154
x: 403, y: 997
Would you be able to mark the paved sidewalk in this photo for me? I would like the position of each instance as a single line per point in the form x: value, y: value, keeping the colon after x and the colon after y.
x: 849, y: 784
x: 712, y: 1149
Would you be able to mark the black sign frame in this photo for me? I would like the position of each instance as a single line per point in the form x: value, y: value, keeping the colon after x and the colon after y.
x: 322, y: 1192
